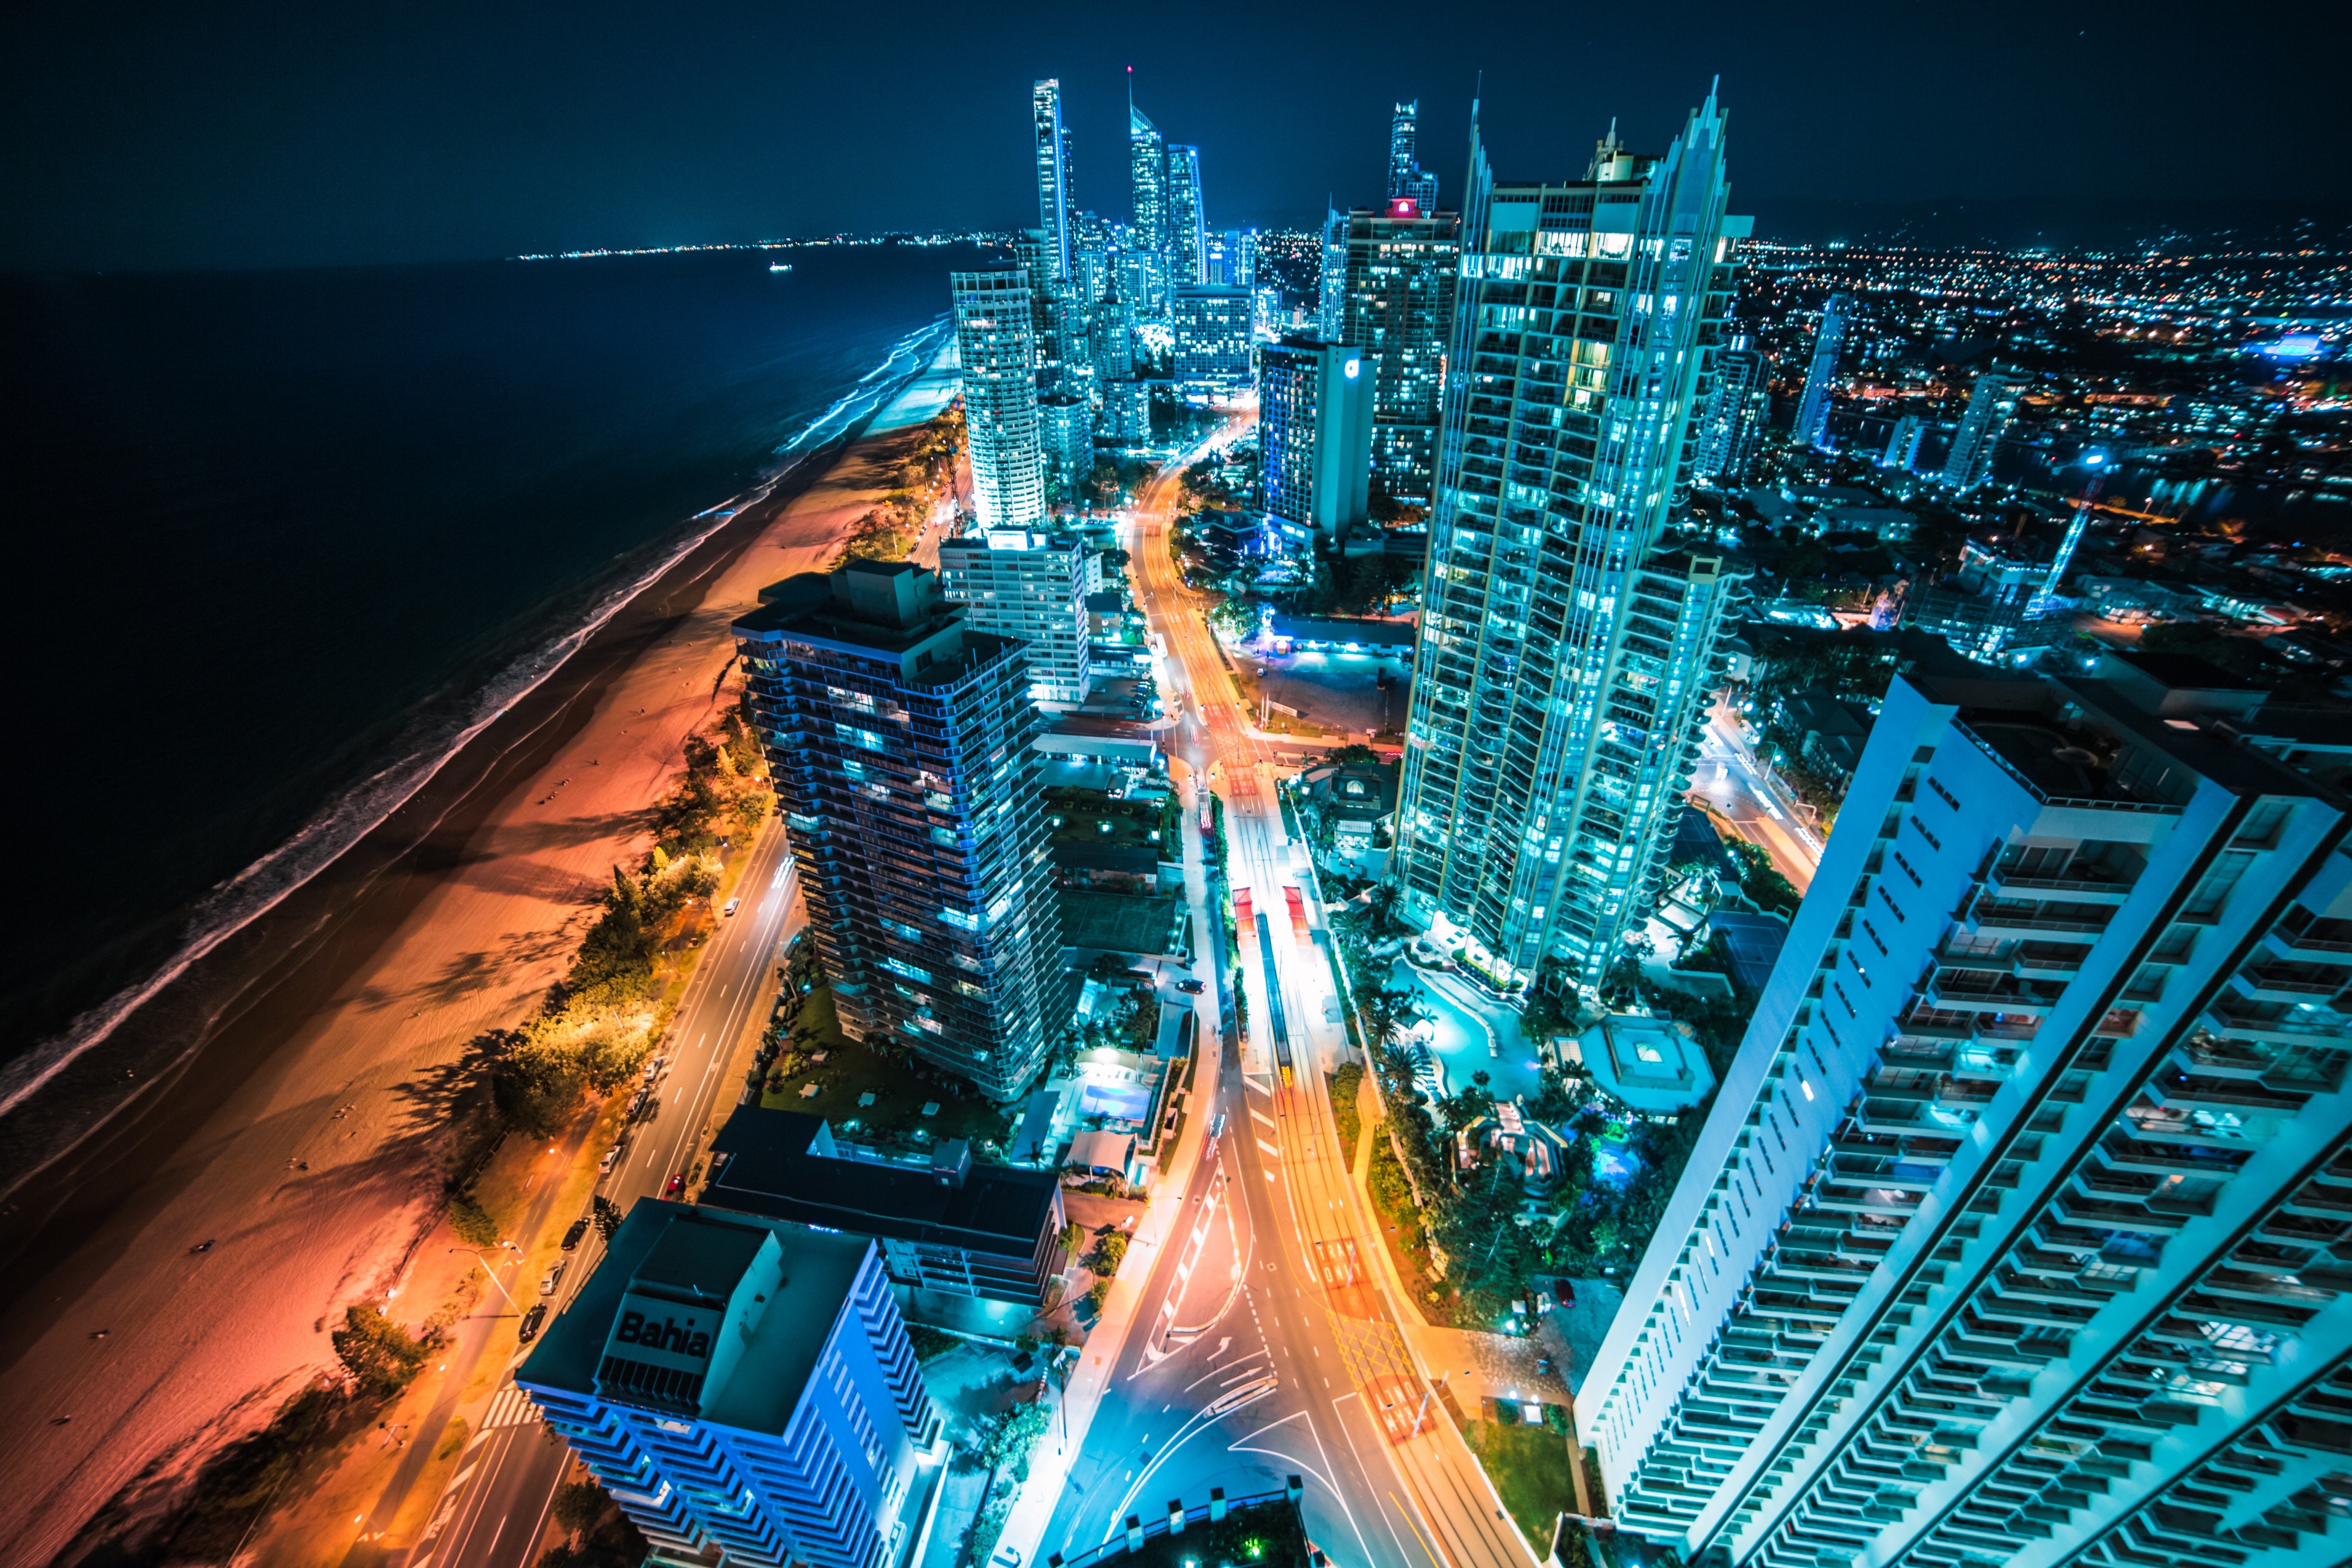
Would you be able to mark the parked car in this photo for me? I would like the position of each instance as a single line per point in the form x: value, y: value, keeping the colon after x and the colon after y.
x: 677, y: 1185
x: 612, y: 1157
x: 530, y: 1321
x: 572, y: 1237
x: 732, y: 905
x: 547, y: 1286
x: 1190, y: 988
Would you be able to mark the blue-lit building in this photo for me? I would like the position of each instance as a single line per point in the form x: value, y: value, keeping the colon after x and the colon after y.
x: 1055, y: 209
x: 1821, y: 380
x: 899, y: 740
x: 1992, y: 403
x: 1213, y: 341
x: 1147, y: 175
x: 1402, y: 273
x: 1188, y: 260
x: 1315, y: 427
x: 744, y: 1388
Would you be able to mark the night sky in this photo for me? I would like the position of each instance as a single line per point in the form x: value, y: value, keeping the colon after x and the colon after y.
x: 146, y: 134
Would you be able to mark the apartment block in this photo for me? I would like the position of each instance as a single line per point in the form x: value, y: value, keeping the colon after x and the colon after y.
x: 2021, y: 1231
x: 1030, y: 587
x: 744, y: 1390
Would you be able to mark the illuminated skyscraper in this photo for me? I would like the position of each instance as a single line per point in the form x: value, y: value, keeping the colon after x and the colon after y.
x: 996, y: 340
x: 1732, y: 419
x: 2012, y: 1238
x: 1903, y: 445
x: 1187, y: 240
x: 1212, y: 330
x: 1332, y: 304
x: 1567, y: 647
x: 1399, y: 309
x: 1030, y: 587
x: 1055, y: 209
x: 1992, y: 402
x: 899, y: 737
x: 1813, y: 408
x: 1407, y: 183
x: 1147, y: 173
x: 1315, y: 427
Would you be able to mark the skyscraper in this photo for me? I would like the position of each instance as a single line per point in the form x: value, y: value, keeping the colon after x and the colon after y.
x: 1813, y: 408
x: 1212, y: 331
x: 1992, y: 402
x: 1055, y: 209
x: 1331, y: 302
x: 996, y: 341
x: 1903, y: 444
x: 2011, y: 1235
x: 1111, y: 335
x: 1407, y: 183
x: 1146, y: 174
x: 1399, y: 309
x: 1315, y: 428
x: 741, y: 1386
x: 899, y: 740
x: 1567, y: 649
x: 1032, y: 588
x: 1732, y: 418
x: 1187, y: 259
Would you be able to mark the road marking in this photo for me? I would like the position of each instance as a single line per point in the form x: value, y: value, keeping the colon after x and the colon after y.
x: 1272, y: 1152
x: 1261, y: 1115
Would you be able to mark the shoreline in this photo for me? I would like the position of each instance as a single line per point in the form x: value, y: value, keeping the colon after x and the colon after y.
x: 301, y: 1010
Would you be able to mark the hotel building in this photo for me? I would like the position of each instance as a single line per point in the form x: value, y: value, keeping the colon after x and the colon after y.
x: 1315, y: 428
x: 1399, y: 308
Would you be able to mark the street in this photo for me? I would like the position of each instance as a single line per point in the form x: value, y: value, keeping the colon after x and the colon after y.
x: 496, y: 1505
x: 1729, y: 781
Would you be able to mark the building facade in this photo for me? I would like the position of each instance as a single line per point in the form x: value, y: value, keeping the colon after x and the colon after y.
x: 742, y: 1387
x: 1992, y: 402
x: 1146, y: 181
x: 1407, y: 183
x: 1903, y: 444
x: 996, y: 343
x: 1188, y: 256
x: 1314, y: 432
x: 1332, y: 283
x: 1212, y: 325
x: 1066, y: 425
x: 1030, y: 587
x: 1568, y: 646
x: 1399, y: 308
x: 1738, y: 406
x: 899, y: 737
x: 1821, y: 379
x: 2010, y: 1237
x: 1054, y: 208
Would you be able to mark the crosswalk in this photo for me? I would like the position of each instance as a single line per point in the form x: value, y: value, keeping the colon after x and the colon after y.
x: 512, y: 1407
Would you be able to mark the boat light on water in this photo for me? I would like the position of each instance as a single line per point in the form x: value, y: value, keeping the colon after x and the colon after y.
x: 780, y: 267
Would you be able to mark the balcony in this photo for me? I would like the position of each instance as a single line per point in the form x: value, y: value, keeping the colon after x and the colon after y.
x: 2258, y: 982
x: 1991, y: 916
x: 2070, y: 890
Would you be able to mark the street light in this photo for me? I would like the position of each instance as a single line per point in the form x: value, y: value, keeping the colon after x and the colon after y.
x: 493, y: 1273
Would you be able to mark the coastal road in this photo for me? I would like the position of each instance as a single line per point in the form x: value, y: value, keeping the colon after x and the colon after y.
x: 1271, y: 1346
x: 1730, y: 780
x: 493, y: 1510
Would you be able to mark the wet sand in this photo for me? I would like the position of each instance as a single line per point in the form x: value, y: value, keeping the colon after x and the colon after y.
x: 335, y: 1033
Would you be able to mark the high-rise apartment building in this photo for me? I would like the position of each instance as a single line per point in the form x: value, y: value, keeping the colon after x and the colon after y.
x: 1188, y: 257
x: 1903, y: 444
x: 996, y: 343
x: 1211, y: 328
x: 1232, y: 258
x: 1331, y: 295
x: 1737, y: 407
x: 1399, y: 309
x: 1030, y: 587
x: 1147, y: 175
x: 1054, y: 210
x: 1315, y: 430
x: 1992, y: 403
x: 2013, y: 1235
x: 745, y: 1390
x: 1111, y: 336
x: 1066, y: 430
x: 1821, y: 380
x: 1567, y: 647
x: 899, y: 740
x: 1407, y: 183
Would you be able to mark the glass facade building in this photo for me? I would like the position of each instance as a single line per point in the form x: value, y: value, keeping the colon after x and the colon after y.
x: 1821, y: 380
x: 1398, y: 307
x: 1188, y: 256
x: 1992, y: 402
x: 1315, y: 430
x: 900, y: 738
x: 1055, y: 209
x: 1211, y: 328
x: 1568, y: 646
x: 996, y: 340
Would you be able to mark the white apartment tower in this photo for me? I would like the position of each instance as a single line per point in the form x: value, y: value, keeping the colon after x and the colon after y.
x: 1821, y: 379
x: 1031, y: 588
x: 1055, y: 213
x: 1993, y: 401
x: 997, y: 345
x: 2021, y: 1231
x: 1567, y: 647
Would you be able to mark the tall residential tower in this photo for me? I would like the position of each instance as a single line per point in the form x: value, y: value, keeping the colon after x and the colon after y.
x: 1054, y: 210
x: 1399, y: 308
x: 1813, y: 408
x: 1567, y: 648
x: 996, y: 340
x: 1147, y: 175
x: 1992, y: 402
x: 1188, y: 261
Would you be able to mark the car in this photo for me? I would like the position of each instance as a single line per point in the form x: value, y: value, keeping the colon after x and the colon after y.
x: 530, y: 1321
x: 732, y: 905
x: 572, y: 1237
x: 1217, y: 1127
x: 653, y: 1068
x: 1190, y: 988
x: 677, y: 1185
x: 547, y: 1286
x: 612, y: 1157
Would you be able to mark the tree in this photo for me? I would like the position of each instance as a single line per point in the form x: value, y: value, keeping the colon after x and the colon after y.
x: 607, y: 1216
x: 1381, y: 904
x: 579, y: 1505
x: 1014, y: 1435
x: 471, y: 1223
x: 381, y: 1357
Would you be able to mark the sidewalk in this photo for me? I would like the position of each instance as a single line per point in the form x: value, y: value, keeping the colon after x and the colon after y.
x: 1049, y: 1468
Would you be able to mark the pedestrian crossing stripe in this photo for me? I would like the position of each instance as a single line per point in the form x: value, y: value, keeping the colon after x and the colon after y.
x: 1271, y: 1151
x: 512, y: 1407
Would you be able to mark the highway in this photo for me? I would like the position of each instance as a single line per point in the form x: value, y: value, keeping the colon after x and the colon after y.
x: 1266, y: 1340
x: 1729, y: 779
x: 494, y: 1510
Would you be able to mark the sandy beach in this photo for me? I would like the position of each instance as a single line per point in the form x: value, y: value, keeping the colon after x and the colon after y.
x: 335, y: 1032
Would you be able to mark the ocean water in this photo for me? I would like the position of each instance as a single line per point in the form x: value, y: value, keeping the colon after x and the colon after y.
x: 277, y: 542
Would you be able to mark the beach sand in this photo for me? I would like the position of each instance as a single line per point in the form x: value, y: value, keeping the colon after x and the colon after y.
x: 342, y: 1022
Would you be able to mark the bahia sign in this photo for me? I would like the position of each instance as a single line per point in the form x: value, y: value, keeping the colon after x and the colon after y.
x: 638, y: 1329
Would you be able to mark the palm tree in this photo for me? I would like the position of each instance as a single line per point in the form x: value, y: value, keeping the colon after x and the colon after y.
x: 1382, y: 902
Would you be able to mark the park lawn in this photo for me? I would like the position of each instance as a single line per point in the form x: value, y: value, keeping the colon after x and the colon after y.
x: 895, y: 1119
x: 1528, y: 1465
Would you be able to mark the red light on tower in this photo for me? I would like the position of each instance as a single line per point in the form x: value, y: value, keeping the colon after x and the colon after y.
x: 1404, y: 207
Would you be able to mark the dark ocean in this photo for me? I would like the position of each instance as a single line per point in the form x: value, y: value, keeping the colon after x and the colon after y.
x: 279, y: 541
